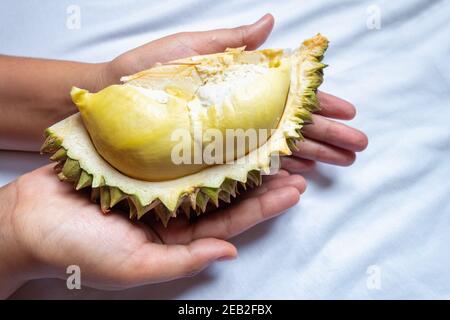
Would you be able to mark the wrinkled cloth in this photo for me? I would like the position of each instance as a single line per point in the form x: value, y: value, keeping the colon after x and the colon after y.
x: 377, y: 229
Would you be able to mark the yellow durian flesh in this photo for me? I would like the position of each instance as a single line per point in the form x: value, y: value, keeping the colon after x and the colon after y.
x: 131, y: 131
x: 131, y: 125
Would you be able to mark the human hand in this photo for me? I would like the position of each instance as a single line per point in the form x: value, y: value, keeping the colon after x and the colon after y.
x: 47, y: 226
x: 326, y: 140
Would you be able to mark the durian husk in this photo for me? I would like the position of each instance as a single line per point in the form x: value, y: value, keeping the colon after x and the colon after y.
x: 79, y: 163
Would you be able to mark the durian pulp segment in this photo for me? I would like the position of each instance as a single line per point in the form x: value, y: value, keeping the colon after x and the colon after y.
x: 143, y: 120
x: 80, y: 162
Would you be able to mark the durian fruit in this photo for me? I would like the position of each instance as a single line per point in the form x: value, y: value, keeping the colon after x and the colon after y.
x: 121, y: 143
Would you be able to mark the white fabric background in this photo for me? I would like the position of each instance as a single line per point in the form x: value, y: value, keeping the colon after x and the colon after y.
x: 390, y: 209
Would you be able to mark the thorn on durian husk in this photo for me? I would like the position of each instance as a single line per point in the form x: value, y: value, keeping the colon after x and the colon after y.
x: 71, y: 170
x: 95, y: 194
x: 299, y: 132
x: 310, y: 101
x: 163, y: 213
x: 115, y: 196
x: 212, y: 193
x: 58, y: 167
x: 317, y: 67
x: 139, y: 209
x: 305, y: 115
x: 105, y: 199
x: 61, y: 176
x: 51, y: 144
x: 201, y: 202
x: 84, y: 181
x: 198, y: 211
x: 229, y: 186
x: 132, y: 207
x: 193, y: 198
x: 61, y: 154
x: 224, y: 196
x: 255, y: 177
x: 102, y: 182
x: 186, y: 207
x: 317, y: 81
x: 179, y: 203
x: 292, y: 143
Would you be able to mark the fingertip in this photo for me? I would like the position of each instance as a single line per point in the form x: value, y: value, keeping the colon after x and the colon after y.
x: 291, y: 195
x: 229, y: 251
x: 232, y: 250
x: 362, y: 142
x: 231, y: 255
x: 304, y: 184
x: 350, y: 111
x: 335, y: 107
x: 214, y: 249
x: 256, y: 33
x: 348, y: 159
x: 344, y: 109
x: 267, y: 19
x: 298, y: 182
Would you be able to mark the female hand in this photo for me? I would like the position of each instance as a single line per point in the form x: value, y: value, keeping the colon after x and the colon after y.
x: 46, y: 226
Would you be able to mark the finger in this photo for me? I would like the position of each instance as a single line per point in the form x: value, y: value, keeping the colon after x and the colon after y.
x: 180, y: 231
x: 157, y: 263
x: 295, y: 181
x: 185, y: 44
x: 251, y: 36
x: 335, y: 133
x: 334, y: 107
x: 247, y: 213
x: 296, y: 165
x: 314, y: 150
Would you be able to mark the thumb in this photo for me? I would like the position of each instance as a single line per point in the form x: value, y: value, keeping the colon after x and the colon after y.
x: 212, y: 41
x: 187, y: 44
x: 157, y: 263
x: 251, y: 36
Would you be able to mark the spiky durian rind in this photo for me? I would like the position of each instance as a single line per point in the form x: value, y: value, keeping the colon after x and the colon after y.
x: 69, y: 141
x: 69, y: 170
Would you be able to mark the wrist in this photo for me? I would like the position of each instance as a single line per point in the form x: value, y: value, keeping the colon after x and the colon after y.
x: 89, y: 76
x: 15, y: 264
x: 111, y: 72
x: 123, y: 65
x: 98, y: 77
